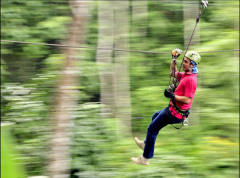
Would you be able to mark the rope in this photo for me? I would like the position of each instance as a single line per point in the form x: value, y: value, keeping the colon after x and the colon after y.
x: 188, y: 44
x: 85, y: 47
x: 218, y: 51
x: 69, y: 46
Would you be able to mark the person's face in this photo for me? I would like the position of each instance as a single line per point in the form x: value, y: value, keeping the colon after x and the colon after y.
x: 186, y: 64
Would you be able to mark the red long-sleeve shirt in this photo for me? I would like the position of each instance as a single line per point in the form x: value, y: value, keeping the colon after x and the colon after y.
x: 187, y: 87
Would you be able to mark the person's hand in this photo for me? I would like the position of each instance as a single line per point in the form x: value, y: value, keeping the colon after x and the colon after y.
x: 169, y: 94
x: 176, y: 53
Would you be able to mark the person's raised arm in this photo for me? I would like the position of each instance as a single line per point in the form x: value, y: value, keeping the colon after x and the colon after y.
x: 173, y: 67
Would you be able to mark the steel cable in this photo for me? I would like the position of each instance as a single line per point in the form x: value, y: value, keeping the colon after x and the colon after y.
x: 113, y: 49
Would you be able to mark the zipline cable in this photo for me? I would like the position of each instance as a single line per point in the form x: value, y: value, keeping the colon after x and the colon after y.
x: 112, y: 49
x: 70, y: 46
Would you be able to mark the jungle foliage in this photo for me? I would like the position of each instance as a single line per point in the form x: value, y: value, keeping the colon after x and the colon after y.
x: 29, y: 74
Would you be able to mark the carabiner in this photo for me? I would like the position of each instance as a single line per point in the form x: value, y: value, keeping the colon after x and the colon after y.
x: 185, y: 122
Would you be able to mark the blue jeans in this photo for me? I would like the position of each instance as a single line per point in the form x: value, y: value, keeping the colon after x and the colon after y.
x: 159, y: 120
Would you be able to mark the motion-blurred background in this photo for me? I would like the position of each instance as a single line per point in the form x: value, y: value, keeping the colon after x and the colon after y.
x: 69, y: 111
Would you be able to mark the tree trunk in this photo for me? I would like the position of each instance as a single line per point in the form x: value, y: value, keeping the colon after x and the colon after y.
x: 104, y: 57
x: 122, y: 81
x: 190, y: 14
x: 66, y: 97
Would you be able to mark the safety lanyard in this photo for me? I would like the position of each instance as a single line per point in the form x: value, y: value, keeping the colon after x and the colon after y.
x: 203, y: 5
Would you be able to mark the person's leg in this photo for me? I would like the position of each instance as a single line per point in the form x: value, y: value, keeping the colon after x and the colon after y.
x: 160, y: 121
x: 155, y: 115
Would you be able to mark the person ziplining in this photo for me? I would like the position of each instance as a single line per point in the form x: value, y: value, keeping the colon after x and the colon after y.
x: 181, y: 98
x: 179, y: 106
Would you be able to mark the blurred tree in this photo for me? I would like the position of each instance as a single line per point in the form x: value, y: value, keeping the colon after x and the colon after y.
x: 104, y: 57
x: 121, y: 68
x: 139, y: 18
x: 66, y: 97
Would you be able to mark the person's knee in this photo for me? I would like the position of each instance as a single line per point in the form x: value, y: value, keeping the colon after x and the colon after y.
x: 155, y: 115
x: 152, y: 130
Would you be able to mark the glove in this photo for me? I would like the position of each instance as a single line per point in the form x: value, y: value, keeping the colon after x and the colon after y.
x: 169, y: 94
x: 176, y: 53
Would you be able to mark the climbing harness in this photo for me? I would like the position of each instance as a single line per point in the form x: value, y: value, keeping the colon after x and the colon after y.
x: 181, y: 112
x: 173, y: 86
